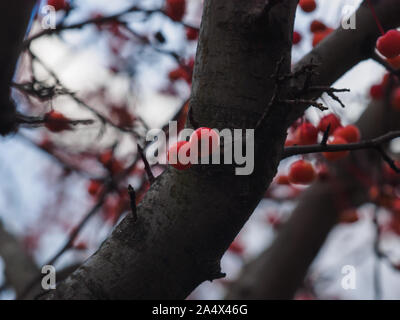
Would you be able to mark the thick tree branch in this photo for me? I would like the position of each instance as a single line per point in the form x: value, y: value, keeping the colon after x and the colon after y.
x: 177, y: 241
x: 19, y: 266
x: 13, y: 26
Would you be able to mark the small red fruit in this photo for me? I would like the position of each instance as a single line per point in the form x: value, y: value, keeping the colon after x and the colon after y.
x: 56, y: 121
x: 389, y: 44
x: 174, y: 155
x: 306, y: 134
x: 282, y: 180
x: 323, y: 173
x: 333, y: 156
x: 106, y: 157
x: 192, y: 33
x: 296, y: 37
x: 329, y: 119
x: 175, y: 9
x: 317, y: 26
x: 94, y: 187
x: 58, y: 4
x: 236, y: 247
x: 289, y: 143
x: 308, y: 5
x: 396, y: 99
x: 349, y: 133
x: 376, y: 92
x: 348, y: 216
x: 302, y: 172
x: 321, y: 35
x: 394, y: 62
x: 203, y: 136
x: 180, y: 73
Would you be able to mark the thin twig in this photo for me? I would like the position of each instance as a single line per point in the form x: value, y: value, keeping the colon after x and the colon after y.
x: 132, y: 197
x: 375, y: 143
x: 146, y: 165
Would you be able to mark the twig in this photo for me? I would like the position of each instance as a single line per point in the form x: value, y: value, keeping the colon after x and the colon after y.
x: 331, y: 92
x: 38, y: 121
x: 375, y: 143
x: 98, y: 20
x: 146, y: 165
x: 326, y: 136
x: 132, y: 196
x: 378, y: 256
x: 376, y: 57
x: 313, y: 103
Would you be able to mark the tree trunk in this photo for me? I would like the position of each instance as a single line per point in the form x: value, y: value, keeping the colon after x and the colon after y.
x: 188, y: 219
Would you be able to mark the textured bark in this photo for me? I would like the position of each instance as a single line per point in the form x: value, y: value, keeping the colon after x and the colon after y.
x: 13, y: 24
x: 279, y: 271
x: 19, y: 266
x: 188, y: 219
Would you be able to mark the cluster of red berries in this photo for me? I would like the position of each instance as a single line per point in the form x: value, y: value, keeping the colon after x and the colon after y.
x: 301, y: 171
x: 378, y: 91
x: 175, y: 9
x: 198, y: 137
x: 58, y: 4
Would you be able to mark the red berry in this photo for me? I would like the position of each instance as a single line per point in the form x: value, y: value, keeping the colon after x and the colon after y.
x: 296, y: 37
x: 94, y: 187
x: 389, y: 44
x: 396, y: 99
x: 332, y: 156
x: 321, y: 35
x: 174, y: 155
x: 376, y: 92
x: 308, y: 5
x: 192, y: 33
x: 349, y: 133
x: 329, y: 119
x: 56, y: 121
x: 201, y: 137
x: 290, y: 142
x: 180, y: 73
x: 348, y: 216
x: 394, y: 62
x: 236, y: 247
x: 317, y: 26
x: 80, y: 246
x: 58, y: 4
x: 106, y: 157
x: 323, y: 173
x: 175, y: 9
x: 282, y: 180
x: 306, y: 134
x: 301, y: 172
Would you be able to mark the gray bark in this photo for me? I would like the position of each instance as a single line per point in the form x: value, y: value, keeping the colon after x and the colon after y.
x: 188, y: 219
x: 13, y: 26
x: 19, y: 266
